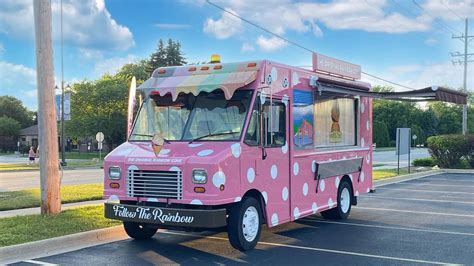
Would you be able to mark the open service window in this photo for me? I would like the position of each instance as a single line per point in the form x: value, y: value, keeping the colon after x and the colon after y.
x: 324, y: 120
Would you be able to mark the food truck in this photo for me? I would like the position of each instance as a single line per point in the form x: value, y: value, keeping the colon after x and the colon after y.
x: 237, y: 145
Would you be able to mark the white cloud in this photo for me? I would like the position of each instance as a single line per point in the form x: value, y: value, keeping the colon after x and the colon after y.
x: 19, y: 81
x: 171, y: 26
x: 247, y: 47
x: 431, y: 41
x: 86, y: 24
x: 450, y: 10
x: 224, y: 27
x: 112, y: 65
x: 270, y: 44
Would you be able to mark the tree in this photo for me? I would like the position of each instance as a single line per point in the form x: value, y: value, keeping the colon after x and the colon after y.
x: 13, y: 108
x: 170, y: 55
x: 380, y: 132
x: 9, y: 127
x: 134, y: 69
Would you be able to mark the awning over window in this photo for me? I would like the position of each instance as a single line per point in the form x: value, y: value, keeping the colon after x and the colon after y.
x: 227, y: 82
x: 432, y: 93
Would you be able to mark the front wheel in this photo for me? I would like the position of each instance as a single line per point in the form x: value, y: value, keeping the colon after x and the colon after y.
x: 139, y: 231
x: 244, y: 224
x: 344, y: 196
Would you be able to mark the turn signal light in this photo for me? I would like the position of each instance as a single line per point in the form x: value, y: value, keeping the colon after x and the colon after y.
x: 205, y: 68
x: 199, y: 190
x: 252, y: 64
x: 192, y: 69
x: 218, y: 67
x: 222, y: 187
x: 114, y: 185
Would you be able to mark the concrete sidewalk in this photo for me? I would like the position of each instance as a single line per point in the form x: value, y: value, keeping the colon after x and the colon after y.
x: 36, y: 210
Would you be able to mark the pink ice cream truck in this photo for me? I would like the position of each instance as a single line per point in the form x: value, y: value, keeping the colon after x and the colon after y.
x: 237, y: 145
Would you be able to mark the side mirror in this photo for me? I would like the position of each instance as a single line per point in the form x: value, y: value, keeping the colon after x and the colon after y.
x: 264, y: 153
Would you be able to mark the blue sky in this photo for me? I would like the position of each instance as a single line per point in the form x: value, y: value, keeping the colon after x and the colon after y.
x: 405, y: 41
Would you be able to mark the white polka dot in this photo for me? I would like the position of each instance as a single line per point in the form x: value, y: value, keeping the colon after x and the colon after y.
x: 152, y: 200
x: 132, y: 168
x: 296, y: 168
x: 284, y: 99
x: 237, y: 199
x: 294, y: 78
x: 113, y: 198
x: 236, y: 149
x: 313, y: 166
x: 196, y: 202
x: 284, y: 194
x: 362, y: 108
x: 337, y: 181
x: 368, y: 158
x: 305, y: 189
x: 164, y: 151
x: 265, y: 196
x: 368, y: 190
x: 362, y: 142
x: 357, y: 193
x: 250, y: 175
x: 274, y: 171
x: 367, y: 125
x: 284, y: 148
x: 205, y: 152
x: 330, y: 203
x: 322, y: 185
x: 274, y: 74
x: 193, y: 145
x: 218, y: 179
x: 296, y: 212
x: 314, y: 207
x: 362, y: 177
x: 274, y: 219
x: 175, y: 168
x: 263, y: 97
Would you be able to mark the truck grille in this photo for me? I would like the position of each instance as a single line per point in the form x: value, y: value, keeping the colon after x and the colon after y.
x: 154, y: 184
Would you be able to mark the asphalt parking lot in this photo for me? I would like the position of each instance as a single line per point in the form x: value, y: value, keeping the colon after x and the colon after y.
x: 423, y: 221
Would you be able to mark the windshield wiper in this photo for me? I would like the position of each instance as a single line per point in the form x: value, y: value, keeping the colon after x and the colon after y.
x: 213, y: 135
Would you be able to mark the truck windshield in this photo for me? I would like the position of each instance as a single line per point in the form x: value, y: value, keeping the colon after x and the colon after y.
x: 208, y: 116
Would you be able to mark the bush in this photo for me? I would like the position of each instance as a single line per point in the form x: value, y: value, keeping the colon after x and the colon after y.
x: 450, y: 150
x: 430, y: 162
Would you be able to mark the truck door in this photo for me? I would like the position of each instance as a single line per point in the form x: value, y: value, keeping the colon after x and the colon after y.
x: 267, y: 134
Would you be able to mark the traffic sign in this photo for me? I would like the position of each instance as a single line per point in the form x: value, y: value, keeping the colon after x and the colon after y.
x: 99, y: 137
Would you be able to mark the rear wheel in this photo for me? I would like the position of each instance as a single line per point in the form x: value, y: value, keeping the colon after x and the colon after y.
x: 244, y: 224
x: 139, y: 231
x: 344, y: 196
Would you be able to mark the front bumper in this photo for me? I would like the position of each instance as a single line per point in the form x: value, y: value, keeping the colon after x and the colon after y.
x: 195, y: 218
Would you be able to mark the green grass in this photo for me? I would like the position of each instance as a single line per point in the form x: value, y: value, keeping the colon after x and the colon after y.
x: 386, y: 173
x: 83, y: 155
x: 22, y: 229
x: 11, y: 200
x: 26, y: 166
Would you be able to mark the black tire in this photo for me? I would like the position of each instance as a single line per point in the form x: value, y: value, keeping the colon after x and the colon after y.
x: 235, y: 226
x: 339, y: 213
x: 139, y: 231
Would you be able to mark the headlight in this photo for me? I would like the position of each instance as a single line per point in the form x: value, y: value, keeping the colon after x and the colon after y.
x: 199, y: 176
x: 114, y: 172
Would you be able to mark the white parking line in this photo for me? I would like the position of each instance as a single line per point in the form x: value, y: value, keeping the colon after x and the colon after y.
x: 415, y: 212
x: 390, y: 227
x: 38, y: 262
x: 450, y: 180
x: 429, y: 184
x: 319, y: 249
x: 430, y: 191
x: 414, y: 199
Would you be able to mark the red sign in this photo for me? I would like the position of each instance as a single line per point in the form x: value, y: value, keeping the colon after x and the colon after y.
x: 335, y: 66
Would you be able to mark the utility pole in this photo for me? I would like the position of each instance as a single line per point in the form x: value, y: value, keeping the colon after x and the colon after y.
x: 63, y: 148
x: 465, y: 38
x: 48, y: 134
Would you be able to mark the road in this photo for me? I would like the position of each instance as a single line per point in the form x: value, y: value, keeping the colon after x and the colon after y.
x: 423, y: 221
x: 389, y: 160
x: 10, y: 181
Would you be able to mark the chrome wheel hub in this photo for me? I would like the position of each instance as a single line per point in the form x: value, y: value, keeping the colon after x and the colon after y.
x: 250, y: 223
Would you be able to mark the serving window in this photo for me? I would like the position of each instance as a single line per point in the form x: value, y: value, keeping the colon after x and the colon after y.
x: 324, y: 120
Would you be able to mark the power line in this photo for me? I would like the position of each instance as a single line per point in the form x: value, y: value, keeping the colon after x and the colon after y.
x: 452, y: 11
x: 446, y: 26
x: 294, y: 43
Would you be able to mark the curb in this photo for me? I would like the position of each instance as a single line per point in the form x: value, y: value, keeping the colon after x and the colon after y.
x: 398, y: 179
x: 37, y: 210
x: 62, y: 244
x: 65, y: 169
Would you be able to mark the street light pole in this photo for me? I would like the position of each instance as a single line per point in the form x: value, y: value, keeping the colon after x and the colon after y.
x: 63, y: 148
